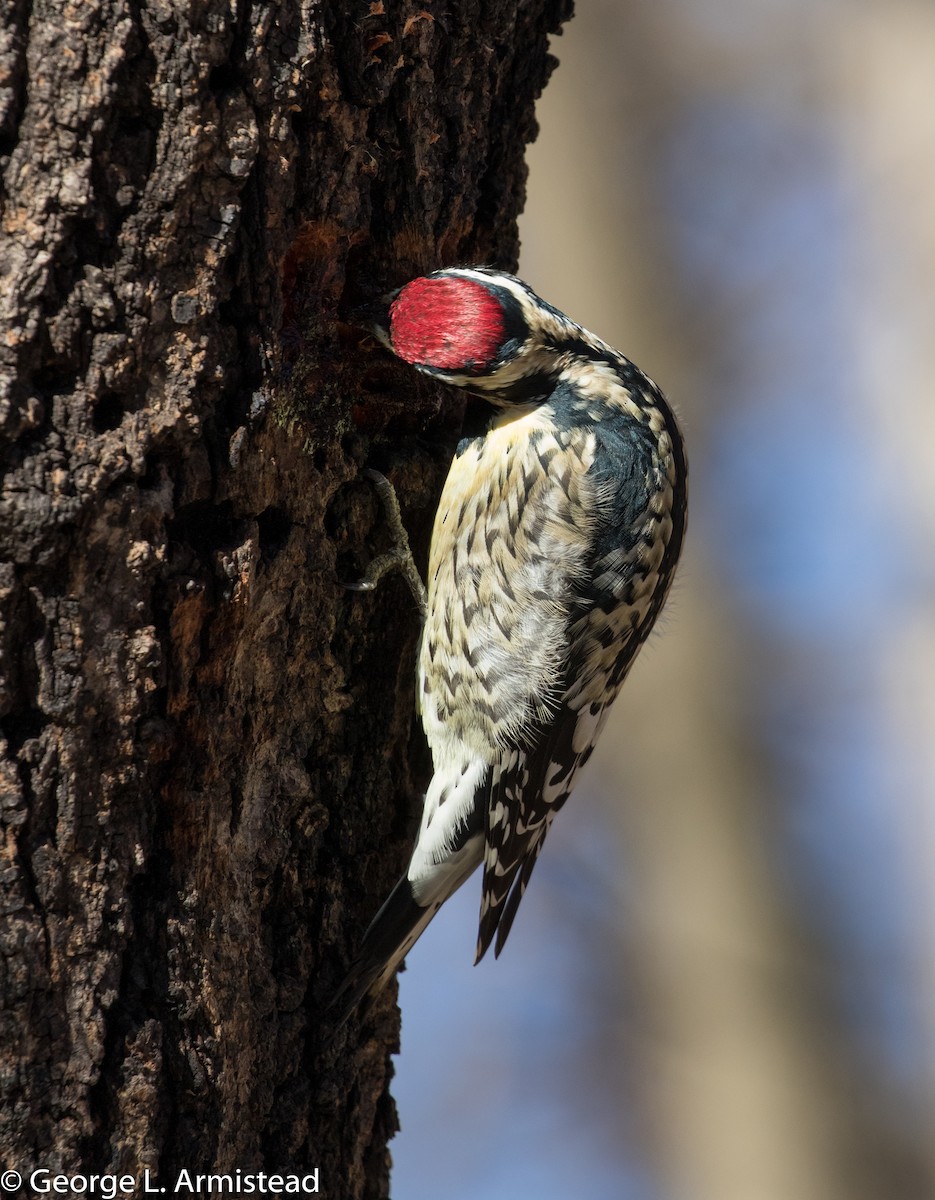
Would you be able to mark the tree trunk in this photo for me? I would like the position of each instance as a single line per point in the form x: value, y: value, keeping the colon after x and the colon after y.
x: 208, y: 759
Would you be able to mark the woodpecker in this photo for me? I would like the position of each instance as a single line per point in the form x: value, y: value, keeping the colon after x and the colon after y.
x: 553, y: 550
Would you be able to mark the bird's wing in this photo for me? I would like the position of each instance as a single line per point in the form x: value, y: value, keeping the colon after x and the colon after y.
x: 600, y: 638
x: 527, y: 788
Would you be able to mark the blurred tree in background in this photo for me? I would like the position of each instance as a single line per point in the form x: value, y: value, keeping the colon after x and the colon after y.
x: 722, y: 987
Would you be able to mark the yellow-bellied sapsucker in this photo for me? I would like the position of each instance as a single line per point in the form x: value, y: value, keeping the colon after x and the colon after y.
x: 553, y: 549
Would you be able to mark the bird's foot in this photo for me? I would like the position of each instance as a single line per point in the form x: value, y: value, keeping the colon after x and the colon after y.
x: 399, y: 557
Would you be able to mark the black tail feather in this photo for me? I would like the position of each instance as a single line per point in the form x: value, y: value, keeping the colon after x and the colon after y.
x: 391, y: 935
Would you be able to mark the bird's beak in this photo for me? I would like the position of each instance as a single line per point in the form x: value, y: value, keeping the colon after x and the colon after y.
x: 374, y: 316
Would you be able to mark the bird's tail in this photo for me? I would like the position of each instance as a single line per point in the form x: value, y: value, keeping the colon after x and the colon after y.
x: 449, y: 848
x: 401, y: 921
x: 392, y: 933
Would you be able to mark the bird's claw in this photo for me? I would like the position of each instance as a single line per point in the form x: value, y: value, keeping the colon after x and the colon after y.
x: 399, y: 558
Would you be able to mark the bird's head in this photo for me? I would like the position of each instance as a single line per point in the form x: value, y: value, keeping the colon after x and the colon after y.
x: 478, y: 329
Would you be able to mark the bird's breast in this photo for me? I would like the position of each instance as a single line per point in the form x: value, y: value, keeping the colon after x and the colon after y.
x: 509, y: 548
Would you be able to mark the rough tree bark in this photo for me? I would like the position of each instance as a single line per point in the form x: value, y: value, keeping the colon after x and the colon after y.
x: 209, y: 759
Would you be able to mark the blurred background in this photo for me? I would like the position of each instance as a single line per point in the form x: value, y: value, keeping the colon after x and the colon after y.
x: 721, y: 984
